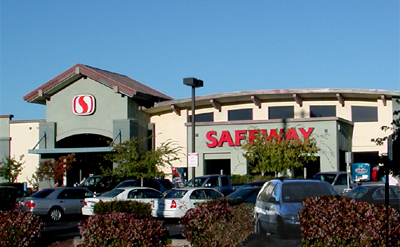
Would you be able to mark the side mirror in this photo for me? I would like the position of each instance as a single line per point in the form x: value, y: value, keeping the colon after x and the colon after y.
x: 272, y: 200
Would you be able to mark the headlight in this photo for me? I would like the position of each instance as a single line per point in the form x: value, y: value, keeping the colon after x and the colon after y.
x: 292, y: 217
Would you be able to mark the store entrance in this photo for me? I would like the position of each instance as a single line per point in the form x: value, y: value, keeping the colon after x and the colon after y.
x: 222, y: 166
x: 87, y: 163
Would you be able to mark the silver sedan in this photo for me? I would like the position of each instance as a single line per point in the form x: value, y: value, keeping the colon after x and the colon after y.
x: 56, y: 202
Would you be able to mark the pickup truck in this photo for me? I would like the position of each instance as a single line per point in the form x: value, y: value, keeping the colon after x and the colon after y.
x: 222, y: 183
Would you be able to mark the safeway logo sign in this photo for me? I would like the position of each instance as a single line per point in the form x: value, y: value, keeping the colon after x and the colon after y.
x: 83, y: 104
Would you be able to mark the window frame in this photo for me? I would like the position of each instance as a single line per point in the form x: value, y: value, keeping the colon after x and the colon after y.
x: 280, y: 110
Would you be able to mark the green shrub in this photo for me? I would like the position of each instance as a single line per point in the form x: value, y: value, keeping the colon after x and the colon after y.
x: 140, y: 210
x: 18, y: 228
x: 217, y: 223
x: 341, y: 221
x: 122, y: 229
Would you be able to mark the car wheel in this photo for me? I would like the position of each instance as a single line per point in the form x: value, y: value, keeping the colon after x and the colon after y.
x: 281, y: 229
x: 258, y: 228
x: 55, y: 214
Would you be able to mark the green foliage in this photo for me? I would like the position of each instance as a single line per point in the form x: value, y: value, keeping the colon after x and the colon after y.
x: 10, y: 168
x: 139, y: 210
x: 18, y: 228
x: 122, y: 229
x: 393, y: 128
x: 53, y: 171
x: 278, y: 154
x: 134, y: 161
x: 218, y: 223
x: 341, y: 221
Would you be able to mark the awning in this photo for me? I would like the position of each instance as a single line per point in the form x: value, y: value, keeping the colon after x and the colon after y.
x: 71, y: 150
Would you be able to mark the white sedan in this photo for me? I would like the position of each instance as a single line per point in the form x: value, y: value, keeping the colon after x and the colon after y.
x: 141, y: 194
x: 178, y: 201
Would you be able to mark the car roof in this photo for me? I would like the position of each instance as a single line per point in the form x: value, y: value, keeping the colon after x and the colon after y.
x: 296, y: 180
x: 133, y: 187
x: 332, y: 172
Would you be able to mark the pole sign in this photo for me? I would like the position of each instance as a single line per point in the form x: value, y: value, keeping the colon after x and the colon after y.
x: 193, y: 159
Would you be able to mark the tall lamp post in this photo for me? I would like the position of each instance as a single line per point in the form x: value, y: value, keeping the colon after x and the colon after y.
x: 194, y: 83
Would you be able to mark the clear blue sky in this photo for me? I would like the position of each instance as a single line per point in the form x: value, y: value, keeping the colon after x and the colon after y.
x: 231, y: 45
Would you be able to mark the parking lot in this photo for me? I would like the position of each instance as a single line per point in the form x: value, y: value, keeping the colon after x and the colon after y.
x: 65, y: 232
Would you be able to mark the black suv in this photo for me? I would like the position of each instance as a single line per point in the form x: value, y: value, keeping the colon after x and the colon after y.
x: 8, y: 196
x: 99, y: 183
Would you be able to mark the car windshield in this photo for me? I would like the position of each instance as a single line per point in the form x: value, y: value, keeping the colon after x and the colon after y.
x: 128, y: 183
x: 112, y: 193
x: 295, y: 192
x: 43, y: 193
x: 90, y: 181
x: 330, y: 178
x: 249, y: 192
x: 176, y: 194
x: 356, y: 192
x: 197, y: 182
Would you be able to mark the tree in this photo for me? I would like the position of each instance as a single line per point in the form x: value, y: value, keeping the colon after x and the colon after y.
x: 136, y: 162
x: 394, y: 135
x: 278, y: 154
x: 394, y: 127
x: 54, y: 172
x: 10, y: 168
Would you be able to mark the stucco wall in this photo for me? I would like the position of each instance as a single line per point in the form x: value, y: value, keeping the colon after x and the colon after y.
x: 25, y: 135
x: 109, y: 106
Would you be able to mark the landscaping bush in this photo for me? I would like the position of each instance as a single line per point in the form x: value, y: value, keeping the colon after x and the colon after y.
x: 140, y: 210
x: 122, y: 229
x: 218, y: 223
x: 18, y: 228
x: 341, y: 221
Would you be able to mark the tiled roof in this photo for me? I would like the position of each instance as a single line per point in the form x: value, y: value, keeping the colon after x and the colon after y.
x: 119, y: 83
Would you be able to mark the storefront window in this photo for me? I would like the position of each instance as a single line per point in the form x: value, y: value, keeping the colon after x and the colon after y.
x: 364, y: 114
x: 242, y: 114
x: 204, y: 117
x: 280, y: 112
x: 323, y: 111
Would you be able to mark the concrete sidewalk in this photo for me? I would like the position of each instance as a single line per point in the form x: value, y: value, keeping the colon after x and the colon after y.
x: 175, y: 242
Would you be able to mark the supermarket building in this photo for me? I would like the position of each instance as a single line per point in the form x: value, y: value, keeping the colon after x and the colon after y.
x: 89, y: 108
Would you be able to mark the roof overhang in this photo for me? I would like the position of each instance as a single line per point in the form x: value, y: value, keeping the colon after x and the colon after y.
x: 71, y: 150
x: 257, y: 97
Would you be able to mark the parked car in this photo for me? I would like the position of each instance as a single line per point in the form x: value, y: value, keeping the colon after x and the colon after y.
x: 158, y: 184
x: 279, y: 203
x: 99, y: 183
x: 56, y: 202
x: 375, y: 194
x: 222, y: 183
x: 337, y: 179
x: 178, y: 201
x: 251, y: 184
x: 8, y: 197
x: 142, y: 194
x: 246, y: 194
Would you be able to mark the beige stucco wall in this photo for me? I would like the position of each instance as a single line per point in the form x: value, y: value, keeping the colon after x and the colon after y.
x: 25, y: 135
x: 362, y: 133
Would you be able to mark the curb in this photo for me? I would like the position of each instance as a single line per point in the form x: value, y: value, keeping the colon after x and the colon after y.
x: 174, y: 242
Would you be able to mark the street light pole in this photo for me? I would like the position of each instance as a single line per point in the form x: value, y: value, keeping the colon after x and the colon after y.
x: 194, y: 83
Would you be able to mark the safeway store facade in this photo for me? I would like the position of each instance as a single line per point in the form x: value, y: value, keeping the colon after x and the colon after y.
x: 88, y: 108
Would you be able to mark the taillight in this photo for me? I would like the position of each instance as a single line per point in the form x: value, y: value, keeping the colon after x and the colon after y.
x: 30, y: 204
x: 84, y: 203
x: 173, y: 204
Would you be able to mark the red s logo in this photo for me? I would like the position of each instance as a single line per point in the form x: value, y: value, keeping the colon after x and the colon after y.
x: 83, y: 104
